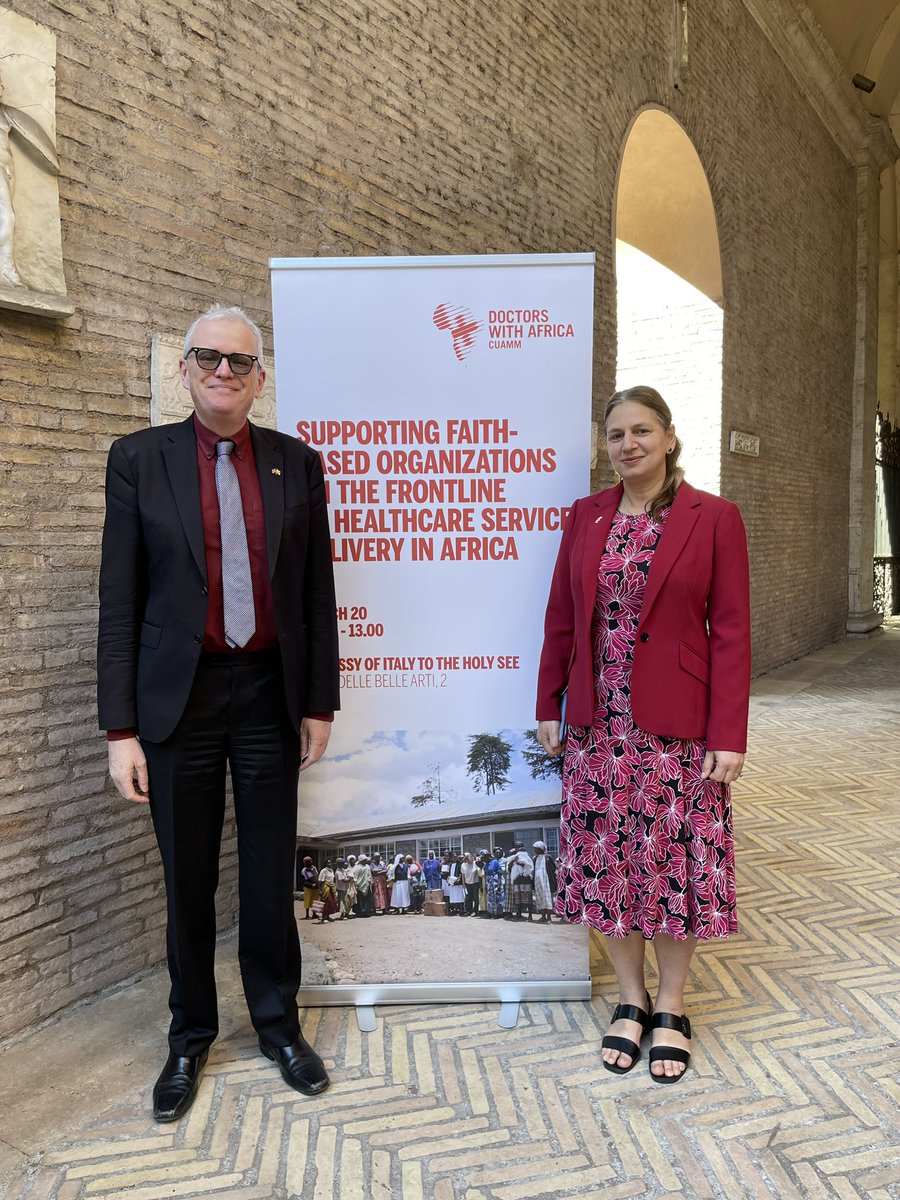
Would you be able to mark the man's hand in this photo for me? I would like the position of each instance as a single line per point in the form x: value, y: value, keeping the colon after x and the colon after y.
x: 724, y: 766
x: 548, y: 736
x: 314, y: 737
x: 128, y: 769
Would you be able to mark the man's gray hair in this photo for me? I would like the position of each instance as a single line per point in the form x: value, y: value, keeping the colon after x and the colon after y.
x: 219, y: 312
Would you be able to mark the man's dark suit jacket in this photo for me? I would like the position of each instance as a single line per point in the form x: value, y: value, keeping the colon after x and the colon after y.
x: 153, y: 582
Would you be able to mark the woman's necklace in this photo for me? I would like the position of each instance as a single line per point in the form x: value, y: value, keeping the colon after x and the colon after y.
x: 628, y: 510
x: 635, y: 507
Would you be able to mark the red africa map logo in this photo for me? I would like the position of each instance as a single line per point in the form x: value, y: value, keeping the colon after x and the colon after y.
x: 461, y: 324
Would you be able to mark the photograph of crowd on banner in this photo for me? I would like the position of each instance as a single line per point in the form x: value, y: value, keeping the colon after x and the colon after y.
x: 455, y: 826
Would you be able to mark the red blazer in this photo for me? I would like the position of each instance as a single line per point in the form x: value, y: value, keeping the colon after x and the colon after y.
x: 691, y: 672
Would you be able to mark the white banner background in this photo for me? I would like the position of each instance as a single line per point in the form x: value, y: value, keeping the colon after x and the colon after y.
x: 490, y: 357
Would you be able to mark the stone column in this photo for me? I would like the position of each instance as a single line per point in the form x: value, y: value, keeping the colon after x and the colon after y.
x: 888, y: 329
x: 874, y: 158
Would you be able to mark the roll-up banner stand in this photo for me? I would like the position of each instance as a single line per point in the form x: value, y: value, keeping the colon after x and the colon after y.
x: 450, y: 400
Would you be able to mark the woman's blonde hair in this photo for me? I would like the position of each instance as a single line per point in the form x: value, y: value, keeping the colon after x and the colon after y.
x: 650, y: 398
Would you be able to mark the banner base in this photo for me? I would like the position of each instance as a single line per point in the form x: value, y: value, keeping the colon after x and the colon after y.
x: 509, y: 1015
x: 366, y: 1020
x: 367, y: 995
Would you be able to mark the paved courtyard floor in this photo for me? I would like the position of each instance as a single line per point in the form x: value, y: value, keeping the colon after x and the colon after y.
x: 793, y: 1090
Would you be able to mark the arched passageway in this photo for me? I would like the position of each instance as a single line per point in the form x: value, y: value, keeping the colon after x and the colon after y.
x: 669, y: 286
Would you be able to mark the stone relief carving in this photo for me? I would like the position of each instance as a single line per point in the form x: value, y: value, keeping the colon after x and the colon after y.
x: 31, y: 268
x: 170, y: 401
x: 15, y: 123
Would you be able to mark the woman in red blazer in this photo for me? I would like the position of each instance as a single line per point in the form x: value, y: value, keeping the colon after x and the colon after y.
x: 647, y: 646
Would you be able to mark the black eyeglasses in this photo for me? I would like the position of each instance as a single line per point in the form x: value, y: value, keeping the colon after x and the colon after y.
x: 208, y: 360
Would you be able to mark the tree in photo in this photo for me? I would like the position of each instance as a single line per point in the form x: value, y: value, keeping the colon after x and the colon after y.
x: 424, y: 797
x: 539, y: 762
x: 430, y: 789
x: 488, y: 762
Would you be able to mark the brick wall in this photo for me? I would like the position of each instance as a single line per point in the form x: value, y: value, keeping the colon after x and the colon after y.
x: 198, y: 139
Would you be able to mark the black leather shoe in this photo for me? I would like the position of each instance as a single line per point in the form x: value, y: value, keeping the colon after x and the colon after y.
x: 300, y: 1066
x: 174, y: 1091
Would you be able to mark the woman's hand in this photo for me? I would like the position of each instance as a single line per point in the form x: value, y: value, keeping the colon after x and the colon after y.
x: 724, y: 766
x: 548, y: 736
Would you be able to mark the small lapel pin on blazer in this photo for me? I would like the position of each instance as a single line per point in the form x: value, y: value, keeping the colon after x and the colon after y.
x: 600, y: 518
x: 276, y: 470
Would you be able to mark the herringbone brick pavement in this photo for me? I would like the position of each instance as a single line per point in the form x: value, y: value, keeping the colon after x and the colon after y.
x: 793, y: 1089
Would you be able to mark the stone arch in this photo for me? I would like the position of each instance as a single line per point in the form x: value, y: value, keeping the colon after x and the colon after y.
x: 669, y: 296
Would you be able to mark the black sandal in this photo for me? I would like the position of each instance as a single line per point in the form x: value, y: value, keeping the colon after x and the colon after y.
x: 664, y: 1020
x: 626, y: 1012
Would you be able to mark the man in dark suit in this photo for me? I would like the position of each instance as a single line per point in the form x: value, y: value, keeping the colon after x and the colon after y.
x: 218, y: 645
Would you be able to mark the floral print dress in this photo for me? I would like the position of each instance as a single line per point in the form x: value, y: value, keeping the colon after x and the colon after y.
x: 645, y: 843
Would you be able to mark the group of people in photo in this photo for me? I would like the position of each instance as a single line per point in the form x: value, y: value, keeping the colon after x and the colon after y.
x: 492, y: 884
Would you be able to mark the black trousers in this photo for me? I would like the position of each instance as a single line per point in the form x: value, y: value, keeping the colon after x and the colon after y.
x: 236, y: 715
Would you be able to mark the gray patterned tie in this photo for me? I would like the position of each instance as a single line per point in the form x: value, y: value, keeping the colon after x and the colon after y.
x: 237, y: 586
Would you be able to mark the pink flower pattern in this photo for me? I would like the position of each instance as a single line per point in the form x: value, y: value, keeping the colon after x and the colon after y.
x: 645, y: 844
